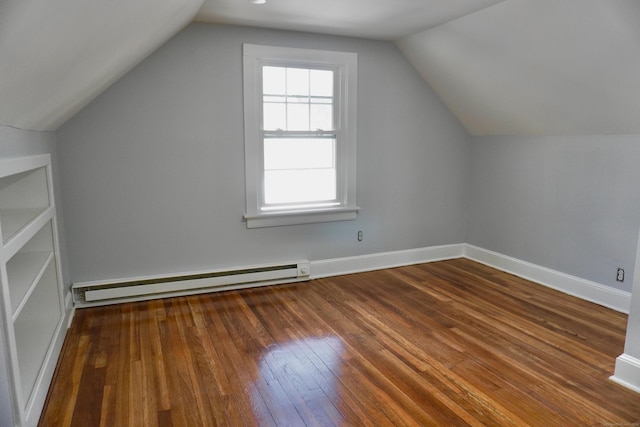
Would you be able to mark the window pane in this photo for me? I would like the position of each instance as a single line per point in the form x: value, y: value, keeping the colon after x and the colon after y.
x: 273, y: 80
x: 297, y: 117
x: 321, y: 117
x: 291, y: 88
x: 321, y: 82
x: 297, y: 81
x: 299, y: 186
x: 275, y: 116
x: 299, y: 153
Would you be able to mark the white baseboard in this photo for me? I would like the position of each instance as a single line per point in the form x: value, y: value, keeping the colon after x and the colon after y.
x: 379, y: 261
x: 627, y: 372
x: 591, y: 291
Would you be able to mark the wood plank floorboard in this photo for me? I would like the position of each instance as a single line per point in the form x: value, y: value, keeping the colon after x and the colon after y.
x: 451, y: 343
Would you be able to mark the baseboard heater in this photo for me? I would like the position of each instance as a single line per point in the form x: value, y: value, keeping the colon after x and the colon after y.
x: 153, y: 287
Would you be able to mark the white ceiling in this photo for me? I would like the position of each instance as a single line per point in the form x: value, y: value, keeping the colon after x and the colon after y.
x: 501, y: 66
x: 58, y: 55
x: 537, y: 67
x: 386, y: 20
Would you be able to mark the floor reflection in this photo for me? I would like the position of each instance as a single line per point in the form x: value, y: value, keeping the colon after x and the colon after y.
x: 298, y: 381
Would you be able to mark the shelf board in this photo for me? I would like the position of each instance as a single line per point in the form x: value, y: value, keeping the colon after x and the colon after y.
x: 14, y: 220
x: 22, y: 271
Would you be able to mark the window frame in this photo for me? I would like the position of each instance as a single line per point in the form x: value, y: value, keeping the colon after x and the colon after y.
x: 344, y: 65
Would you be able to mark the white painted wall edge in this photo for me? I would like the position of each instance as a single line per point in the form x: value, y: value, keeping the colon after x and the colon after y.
x: 627, y: 372
x: 585, y: 289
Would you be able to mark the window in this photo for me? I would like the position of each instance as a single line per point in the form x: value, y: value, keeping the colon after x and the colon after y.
x: 300, y: 135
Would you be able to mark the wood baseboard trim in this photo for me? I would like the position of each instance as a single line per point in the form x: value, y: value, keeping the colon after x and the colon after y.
x: 379, y: 261
x: 627, y: 372
x: 572, y: 285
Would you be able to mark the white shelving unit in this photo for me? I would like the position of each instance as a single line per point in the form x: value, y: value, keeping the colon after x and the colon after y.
x: 32, y: 304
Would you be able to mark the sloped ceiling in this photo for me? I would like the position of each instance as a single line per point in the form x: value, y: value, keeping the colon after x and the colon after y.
x: 383, y: 20
x: 502, y: 66
x: 57, y: 55
x: 531, y: 67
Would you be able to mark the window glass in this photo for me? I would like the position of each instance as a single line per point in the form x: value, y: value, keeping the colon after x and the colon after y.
x: 299, y: 170
x: 297, y: 116
x: 299, y: 186
x: 297, y: 99
x: 275, y: 116
x: 321, y: 83
x: 321, y: 117
x: 274, y: 80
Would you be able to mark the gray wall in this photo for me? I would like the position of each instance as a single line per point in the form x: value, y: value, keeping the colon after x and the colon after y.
x: 18, y: 143
x: 153, y: 169
x: 570, y: 203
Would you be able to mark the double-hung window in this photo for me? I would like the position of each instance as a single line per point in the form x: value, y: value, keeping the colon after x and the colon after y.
x: 300, y: 135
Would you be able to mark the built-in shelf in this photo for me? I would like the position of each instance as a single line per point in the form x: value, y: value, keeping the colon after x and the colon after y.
x: 31, y: 293
x: 14, y: 220
x: 23, y: 196
x: 34, y: 329
x: 22, y: 272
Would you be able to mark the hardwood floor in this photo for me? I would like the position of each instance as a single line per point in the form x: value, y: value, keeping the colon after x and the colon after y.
x: 446, y: 344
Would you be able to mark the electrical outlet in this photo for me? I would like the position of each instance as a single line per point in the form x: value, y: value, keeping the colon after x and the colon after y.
x: 620, y: 275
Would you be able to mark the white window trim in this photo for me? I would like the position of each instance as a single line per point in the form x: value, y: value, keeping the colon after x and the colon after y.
x: 254, y: 56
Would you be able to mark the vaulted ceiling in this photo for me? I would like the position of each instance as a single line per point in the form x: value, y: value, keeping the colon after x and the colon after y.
x: 58, y: 55
x: 386, y: 20
x: 501, y: 66
x: 534, y: 67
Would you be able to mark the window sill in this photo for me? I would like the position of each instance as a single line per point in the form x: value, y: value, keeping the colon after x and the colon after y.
x: 275, y: 219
